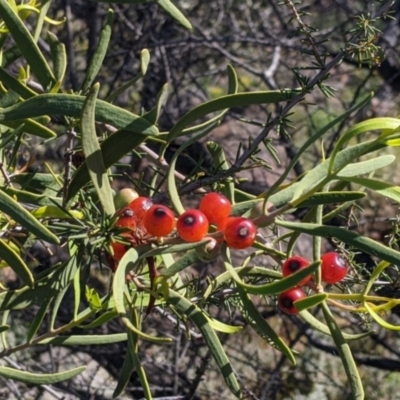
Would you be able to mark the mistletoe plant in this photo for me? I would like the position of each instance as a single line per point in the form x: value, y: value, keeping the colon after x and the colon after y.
x: 72, y: 207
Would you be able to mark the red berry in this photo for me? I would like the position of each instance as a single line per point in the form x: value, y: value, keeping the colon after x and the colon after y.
x: 119, y: 249
x: 192, y: 226
x: 286, y: 300
x: 240, y: 232
x: 217, y: 208
x: 159, y: 220
x: 333, y: 267
x: 294, y: 264
x: 127, y: 219
x: 139, y: 207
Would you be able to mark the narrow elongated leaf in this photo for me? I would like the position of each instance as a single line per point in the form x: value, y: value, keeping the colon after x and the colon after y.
x: 226, y: 102
x: 112, y: 149
x: 383, y: 188
x: 369, y: 125
x: 59, y: 57
x: 101, y: 320
x: 154, y: 114
x: 44, y: 288
x: 313, y: 139
x: 183, y: 262
x: 32, y: 127
x: 220, y: 162
x: 200, y: 320
x: 310, y: 301
x: 37, y: 321
x: 39, y: 379
x: 353, y: 239
x: 125, y: 374
x: 345, y: 354
x: 16, y: 263
x: 367, y: 166
x: 24, y: 218
x: 331, y: 197
x: 86, y: 340
x: 144, y: 63
x: 241, y: 271
x: 172, y: 186
x: 23, y: 196
x: 133, y: 348
x: 175, y: 13
x: 26, y: 44
x: 224, y: 328
x: 321, y: 327
x: 261, y: 326
x: 94, y: 159
x: 14, y: 84
x: 98, y: 57
x: 379, y: 319
x: 71, y: 105
x: 119, y: 285
x: 275, y: 287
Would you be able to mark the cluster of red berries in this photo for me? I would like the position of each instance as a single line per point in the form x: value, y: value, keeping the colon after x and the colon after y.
x: 143, y: 219
x: 333, y: 269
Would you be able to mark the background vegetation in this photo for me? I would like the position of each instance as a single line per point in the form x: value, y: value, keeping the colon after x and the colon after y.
x: 326, y: 57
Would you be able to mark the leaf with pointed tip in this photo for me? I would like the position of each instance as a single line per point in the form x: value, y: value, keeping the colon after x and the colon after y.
x: 91, y: 148
x: 39, y: 379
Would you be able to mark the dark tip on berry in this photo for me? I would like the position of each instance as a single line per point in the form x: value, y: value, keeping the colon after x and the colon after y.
x: 159, y: 212
x: 294, y: 265
x: 189, y: 220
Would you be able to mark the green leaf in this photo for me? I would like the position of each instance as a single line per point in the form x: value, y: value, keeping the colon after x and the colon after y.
x: 85, y: 340
x: 44, y: 288
x: 351, y: 238
x: 383, y: 188
x: 261, y: 326
x: 175, y: 13
x: 101, y: 320
x: 366, y: 167
x: 39, y: 379
x: 24, y: 218
x: 345, y: 354
x: 26, y: 44
x: 188, y: 259
x: 331, y: 197
x: 16, y: 263
x: 153, y: 115
x: 126, y: 264
x: 321, y: 327
x: 312, y: 140
x: 31, y: 126
x: 93, y: 299
x: 59, y: 57
x: 241, y: 271
x: 98, y: 57
x: 71, y: 105
x: 125, y: 374
x: 380, y: 320
x: 15, y: 85
x: 194, y: 313
x: 112, y: 149
x: 91, y: 148
x: 38, y: 319
x: 310, y: 301
x: 224, y: 328
x: 23, y: 196
x: 275, y: 287
x: 172, y: 187
x: 144, y: 63
x: 391, y: 124
x: 226, y: 102
x: 220, y: 162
